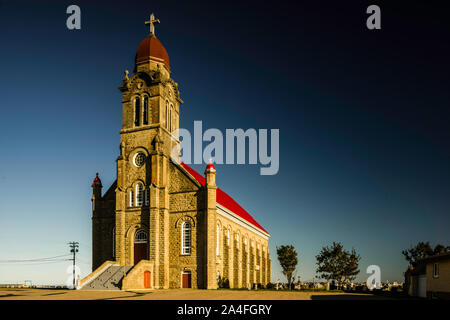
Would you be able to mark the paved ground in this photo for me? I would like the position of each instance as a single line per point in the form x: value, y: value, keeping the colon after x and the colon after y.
x: 175, y: 294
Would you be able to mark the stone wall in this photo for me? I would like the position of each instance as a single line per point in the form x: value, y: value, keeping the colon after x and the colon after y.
x: 249, y: 251
x: 238, y: 256
x: 135, y: 278
x: 103, y: 224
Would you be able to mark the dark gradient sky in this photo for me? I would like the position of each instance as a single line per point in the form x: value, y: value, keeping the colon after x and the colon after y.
x: 363, y: 118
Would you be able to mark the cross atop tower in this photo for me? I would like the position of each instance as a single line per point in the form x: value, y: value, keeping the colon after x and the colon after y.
x: 152, y: 23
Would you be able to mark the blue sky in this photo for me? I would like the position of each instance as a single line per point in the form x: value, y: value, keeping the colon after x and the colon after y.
x: 363, y: 119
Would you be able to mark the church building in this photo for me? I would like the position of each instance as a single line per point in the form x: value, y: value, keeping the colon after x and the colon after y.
x: 161, y: 224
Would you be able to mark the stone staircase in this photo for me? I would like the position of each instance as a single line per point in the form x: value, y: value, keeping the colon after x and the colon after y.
x: 109, y: 279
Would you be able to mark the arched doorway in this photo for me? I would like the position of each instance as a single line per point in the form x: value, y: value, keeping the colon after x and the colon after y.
x: 140, y: 246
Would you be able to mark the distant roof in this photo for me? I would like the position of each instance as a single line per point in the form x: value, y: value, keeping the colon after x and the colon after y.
x: 225, y: 200
x: 421, y: 264
x: 437, y: 257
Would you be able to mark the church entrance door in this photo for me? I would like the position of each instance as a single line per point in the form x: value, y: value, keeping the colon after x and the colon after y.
x: 147, y: 279
x: 186, y: 279
x: 140, y: 246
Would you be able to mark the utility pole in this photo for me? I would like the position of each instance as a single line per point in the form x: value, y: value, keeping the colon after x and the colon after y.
x: 73, y: 249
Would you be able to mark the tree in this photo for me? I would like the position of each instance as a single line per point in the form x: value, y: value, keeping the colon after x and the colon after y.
x: 335, y: 263
x: 287, y: 256
x: 422, y: 250
x: 440, y: 249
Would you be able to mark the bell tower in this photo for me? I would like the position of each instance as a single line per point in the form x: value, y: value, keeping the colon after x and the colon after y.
x: 150, y: 115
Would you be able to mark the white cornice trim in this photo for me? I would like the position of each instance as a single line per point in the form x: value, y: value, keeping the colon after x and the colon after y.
x: 240, y: 221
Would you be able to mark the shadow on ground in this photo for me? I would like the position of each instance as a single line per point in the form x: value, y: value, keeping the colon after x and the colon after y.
x: 52, y: 294
x: 347, y: 297
x: 136, y: 295
x: 10, y: 295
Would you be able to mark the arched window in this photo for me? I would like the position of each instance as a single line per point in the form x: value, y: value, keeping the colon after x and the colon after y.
x: 145, y: 117
x: 137, y: 111
x: 139, y: 194
x: 237, y: 240
x: 170, y: 118
x: 131, y: 198
x: 147, y: 197
x: 166, y: 119
x: 217, y: 240
x: 186, y: 238
x: 228, y: 237
x: 140, y: 237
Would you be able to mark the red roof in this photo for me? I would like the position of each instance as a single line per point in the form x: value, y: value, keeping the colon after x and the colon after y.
x: 224, y: 199
x: 152, y: 49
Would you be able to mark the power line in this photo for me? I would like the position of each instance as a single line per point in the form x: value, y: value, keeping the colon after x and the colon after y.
x: 39, y: 263
x: 35, y: 260
x: 83, y: 261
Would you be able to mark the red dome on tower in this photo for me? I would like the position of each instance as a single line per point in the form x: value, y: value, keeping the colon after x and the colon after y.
x: 152, y: 49
x: 210, y: 168
x: 97, y: 181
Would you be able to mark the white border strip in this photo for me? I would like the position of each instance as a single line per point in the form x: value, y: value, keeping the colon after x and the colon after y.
x: 240, y: 221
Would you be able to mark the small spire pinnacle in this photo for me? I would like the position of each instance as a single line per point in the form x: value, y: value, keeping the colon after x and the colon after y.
x: 210, y: 167
x: 97, y: 181
x: 152, y: 23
